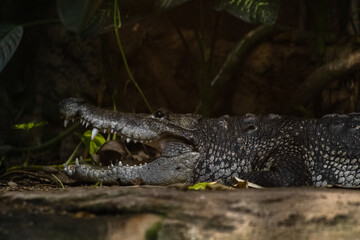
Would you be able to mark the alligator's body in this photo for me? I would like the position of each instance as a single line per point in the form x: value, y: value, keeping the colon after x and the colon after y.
x: 267, y: 150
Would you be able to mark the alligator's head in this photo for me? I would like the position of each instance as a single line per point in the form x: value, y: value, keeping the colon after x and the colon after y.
x: 170, y: 135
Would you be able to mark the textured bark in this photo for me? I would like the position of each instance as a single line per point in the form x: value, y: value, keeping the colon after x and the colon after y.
x: 167, y: 213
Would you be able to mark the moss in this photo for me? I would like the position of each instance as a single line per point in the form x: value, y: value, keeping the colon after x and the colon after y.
x: 152, y: 232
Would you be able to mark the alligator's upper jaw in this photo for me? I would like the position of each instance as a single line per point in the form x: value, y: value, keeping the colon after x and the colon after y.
x: 130, y: 126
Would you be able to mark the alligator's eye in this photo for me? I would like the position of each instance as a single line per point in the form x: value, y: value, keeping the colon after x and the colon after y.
x: 159, y: 114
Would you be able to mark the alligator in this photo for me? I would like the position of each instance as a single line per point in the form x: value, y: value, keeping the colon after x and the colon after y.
x: 271, y: 150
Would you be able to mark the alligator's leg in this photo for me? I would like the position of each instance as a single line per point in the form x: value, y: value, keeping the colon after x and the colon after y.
x: 163, y: 171
x: 286, y: 171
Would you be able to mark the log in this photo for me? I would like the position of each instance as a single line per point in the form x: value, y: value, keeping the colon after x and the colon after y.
x: 149, y: 212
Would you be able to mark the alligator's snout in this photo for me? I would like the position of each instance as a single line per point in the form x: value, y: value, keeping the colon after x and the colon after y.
x: 70, y: 107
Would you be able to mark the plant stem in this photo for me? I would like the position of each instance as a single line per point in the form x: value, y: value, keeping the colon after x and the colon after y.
x: 29, y: 167
x: 117, y: 17
x: 73, y: 154
x: 115, y: 109
x: 48, y: 143
x: 62, y: 185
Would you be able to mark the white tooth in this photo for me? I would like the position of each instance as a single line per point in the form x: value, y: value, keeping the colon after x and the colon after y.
x: 94, y: 132
x: 135, y: 141
x: 87, y: 124
x: 120, y: 164
x: 128, y: 140
x: 127, y: 165
x: 77, y: 162
x: 112, y: 165
x: 109, y: 167
x: 66, y: 122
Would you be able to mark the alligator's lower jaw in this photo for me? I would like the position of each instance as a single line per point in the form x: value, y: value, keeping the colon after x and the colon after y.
x: 163, y: 171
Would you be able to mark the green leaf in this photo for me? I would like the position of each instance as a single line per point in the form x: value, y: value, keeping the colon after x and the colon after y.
x: 305, y: 112
x: 132, y: 11
x: 10, y: 36
x: 30, y: 125
x: 201, y: 186
x: 92, y: 145
x: 75, y: 15
x: 95, y: 17
x: 167, y: 4
x: 252, y: 11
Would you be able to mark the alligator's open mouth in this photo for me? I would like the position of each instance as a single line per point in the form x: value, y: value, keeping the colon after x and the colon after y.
x: 164, y: 145
x: 130, y: 151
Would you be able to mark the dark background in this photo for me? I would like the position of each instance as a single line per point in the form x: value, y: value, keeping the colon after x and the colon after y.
x: 165, y: 54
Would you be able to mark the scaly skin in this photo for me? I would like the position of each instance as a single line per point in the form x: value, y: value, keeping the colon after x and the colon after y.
x: 267, y: 150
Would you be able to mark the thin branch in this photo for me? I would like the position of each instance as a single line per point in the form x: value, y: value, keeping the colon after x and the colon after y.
x: 48, y: 143
x: 241, y: 49
x: 116, y: 25
x: 41, y: 22
x: 54, y: 176
x: 73, y: 154
x: 182, y: 37
x: 213, y: 38
x: 325, y: 75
